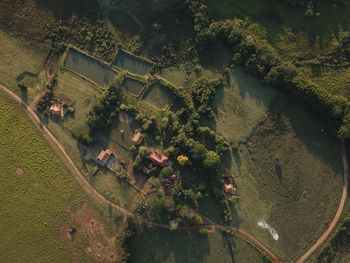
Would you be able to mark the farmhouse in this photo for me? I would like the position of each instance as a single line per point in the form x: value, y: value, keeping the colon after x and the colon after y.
x: 230, y: 189
x: 158, y: 157
x: 137, y: 137
x: 104, y: 156
x: 57, y: 110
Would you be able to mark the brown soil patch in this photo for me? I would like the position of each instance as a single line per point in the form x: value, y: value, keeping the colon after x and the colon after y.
x: 19, y: 171
x: 100, y: 245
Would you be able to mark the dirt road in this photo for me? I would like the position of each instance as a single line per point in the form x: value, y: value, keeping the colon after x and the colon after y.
x: 67, y: 161
x: 340, y: 209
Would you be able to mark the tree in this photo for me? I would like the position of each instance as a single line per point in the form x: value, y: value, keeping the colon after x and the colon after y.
x: 182, y: 160
x: 166, y: 172
x: 212, y: 161
x: 198, y: 152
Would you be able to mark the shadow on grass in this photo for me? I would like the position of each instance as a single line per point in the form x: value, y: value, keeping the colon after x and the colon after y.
x: 159, y: 245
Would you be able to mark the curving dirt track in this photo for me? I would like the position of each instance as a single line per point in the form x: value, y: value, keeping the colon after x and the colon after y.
x: 340, y: 209
x: 67, y: 161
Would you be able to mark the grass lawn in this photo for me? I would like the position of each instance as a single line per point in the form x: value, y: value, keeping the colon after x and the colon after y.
x: 39, y: 196
x: 164, y: 246
x: 18, y: 60
x: 288, y: 29
x: 290, y: 175
x: 240, y: 105
x: 82, y: 94
x: 115, y: 189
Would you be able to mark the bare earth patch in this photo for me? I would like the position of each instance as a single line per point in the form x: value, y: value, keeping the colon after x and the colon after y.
x: 100, y: 245
x: 19, y: 171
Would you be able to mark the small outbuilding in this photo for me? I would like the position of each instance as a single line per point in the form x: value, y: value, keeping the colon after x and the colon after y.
x: 104, y: 156
x: 230, y: 189
x: 158, y: 158
x: 137, y: 137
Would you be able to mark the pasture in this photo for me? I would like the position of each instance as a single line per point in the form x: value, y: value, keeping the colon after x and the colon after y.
x: 240, y: 105
x: 39, y: 197
x: 290, y: 176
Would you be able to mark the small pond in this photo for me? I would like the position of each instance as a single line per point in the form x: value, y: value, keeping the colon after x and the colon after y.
x: 89, y: 68
x: 133, y: 86
x: 132, y: 63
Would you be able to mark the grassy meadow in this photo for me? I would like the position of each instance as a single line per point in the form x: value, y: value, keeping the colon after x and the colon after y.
x: 39, y: 196
x: 19, y: 60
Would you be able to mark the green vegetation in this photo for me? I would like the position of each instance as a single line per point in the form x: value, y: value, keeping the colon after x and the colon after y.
x: 92, y: 36
x: 39, y: 196
x: 19, y: 61
x: 337, y: 250
x: 203, y: 91
x: 82, y: 96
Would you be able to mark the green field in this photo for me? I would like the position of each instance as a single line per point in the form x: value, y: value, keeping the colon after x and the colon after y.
x: 20, y: 60
x: 39, y: 196
x: 290, y: 175
x: 241, y: 105
x: 82, y: 94
x: 162, y: 246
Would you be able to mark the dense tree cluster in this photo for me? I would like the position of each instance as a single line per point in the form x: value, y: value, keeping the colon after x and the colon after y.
x: 91, y: 36
x: 105, y: 108
x: 203, y: 91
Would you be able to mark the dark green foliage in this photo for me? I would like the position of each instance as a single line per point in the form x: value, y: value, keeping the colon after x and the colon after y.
x: 211, y: 161
x: 166, y: 172
x: 203, y: 91
x: 92, y: 36
x: 105, y: 109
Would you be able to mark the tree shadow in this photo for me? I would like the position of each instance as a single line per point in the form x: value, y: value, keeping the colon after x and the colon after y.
x: 158, y: 245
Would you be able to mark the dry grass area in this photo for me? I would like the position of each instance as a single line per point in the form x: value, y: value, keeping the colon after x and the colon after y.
x: 100, y: 245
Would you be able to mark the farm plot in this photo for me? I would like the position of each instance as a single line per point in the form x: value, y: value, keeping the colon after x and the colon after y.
x: 132, y: 63
x: 162, y: 246
x: 158, y: 95
x: 290, y: 179
x: 39, y: 196
x: 89, y: 68
x: 133, y: 86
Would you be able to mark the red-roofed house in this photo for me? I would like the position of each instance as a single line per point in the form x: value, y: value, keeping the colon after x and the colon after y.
x: 104, y: 156
x: 230, y: 189
x: 56, y: 109
x: 158, y: 157
x: 137, y: 137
